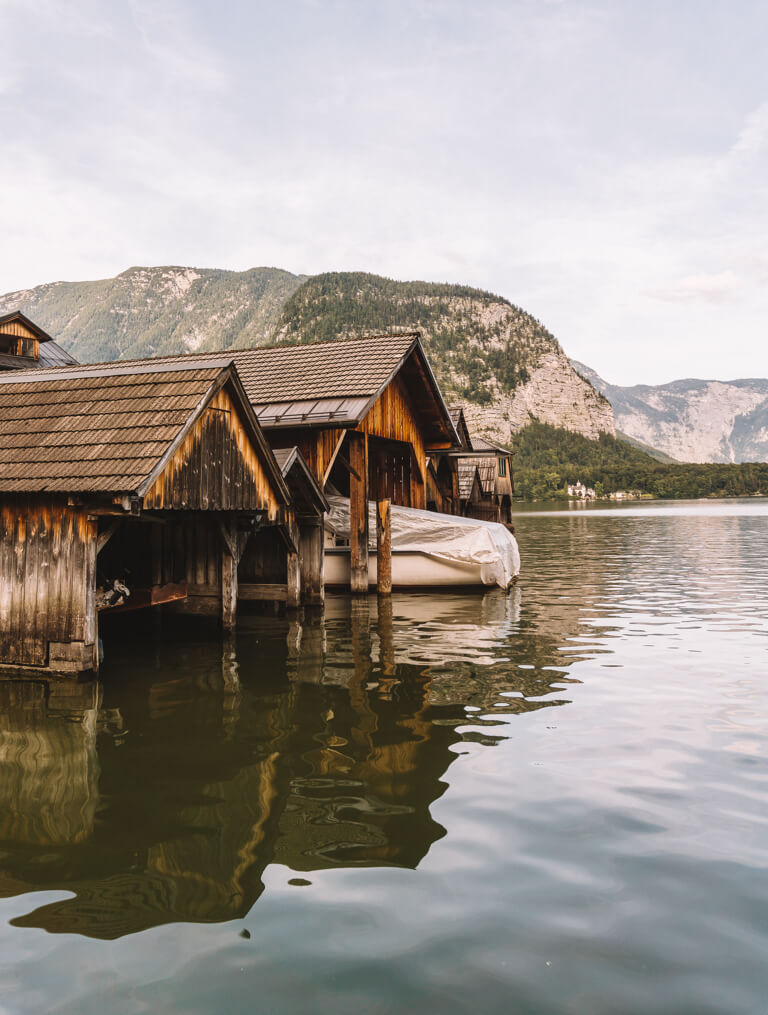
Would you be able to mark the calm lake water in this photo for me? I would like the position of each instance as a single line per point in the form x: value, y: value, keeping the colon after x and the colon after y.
x: 551, y: 801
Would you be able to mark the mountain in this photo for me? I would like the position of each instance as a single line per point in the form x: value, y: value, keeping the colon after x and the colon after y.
x: 654, y: 453
x: 548, y: 459
x: 495, y: 359
x: 693, y: 420
x: 158, y: 311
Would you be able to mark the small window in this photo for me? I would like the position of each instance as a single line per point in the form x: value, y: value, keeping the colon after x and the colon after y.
x: 502, y: 466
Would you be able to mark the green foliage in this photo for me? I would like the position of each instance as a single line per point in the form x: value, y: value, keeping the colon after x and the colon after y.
x: 548, y: 459
x: 472, y: 353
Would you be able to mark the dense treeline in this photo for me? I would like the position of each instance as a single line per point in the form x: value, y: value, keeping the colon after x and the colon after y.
x: 548, y: 459
x: 465, y: 350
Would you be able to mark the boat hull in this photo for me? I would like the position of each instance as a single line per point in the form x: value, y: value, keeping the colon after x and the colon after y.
x: 410, y: 569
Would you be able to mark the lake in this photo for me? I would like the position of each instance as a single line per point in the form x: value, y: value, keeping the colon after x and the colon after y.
x: 548, y: 801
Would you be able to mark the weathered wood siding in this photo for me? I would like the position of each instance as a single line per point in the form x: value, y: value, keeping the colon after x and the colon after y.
x: 47, y: 570
x: 393, y: 418
x: 215, y: 468
x: 28, y: 344
x: 319, y: 447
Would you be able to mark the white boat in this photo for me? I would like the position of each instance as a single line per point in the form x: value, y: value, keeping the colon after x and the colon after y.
x: 428, y: 549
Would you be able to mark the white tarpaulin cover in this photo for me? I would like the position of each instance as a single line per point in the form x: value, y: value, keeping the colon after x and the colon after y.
x: 456, y: 540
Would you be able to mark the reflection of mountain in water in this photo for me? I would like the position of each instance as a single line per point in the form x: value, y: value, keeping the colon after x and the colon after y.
x: 311, y: 745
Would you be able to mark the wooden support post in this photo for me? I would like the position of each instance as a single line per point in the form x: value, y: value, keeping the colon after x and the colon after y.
x: 386, y: 637
x: 383, y: 548
x: 311, y: 556
x: 229, y: 562
x: 91, y: 627
x: 358, y: 515
x: 293, y: 571
x: 228, y: 590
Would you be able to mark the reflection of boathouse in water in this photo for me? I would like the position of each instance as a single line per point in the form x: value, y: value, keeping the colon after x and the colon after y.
x: 157, y: 826
x: 316, y: 745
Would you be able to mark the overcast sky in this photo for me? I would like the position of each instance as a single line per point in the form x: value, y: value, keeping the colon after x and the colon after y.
x: 604, y: 165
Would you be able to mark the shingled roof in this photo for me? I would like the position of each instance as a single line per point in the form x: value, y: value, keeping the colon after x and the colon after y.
x: 331, y: 383
x: 102, y: 428
x: 336, y: 383
x: 467, y: 473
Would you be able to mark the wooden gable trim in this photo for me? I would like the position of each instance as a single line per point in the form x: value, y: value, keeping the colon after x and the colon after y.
x: 181, y: 436
x: 217, y: 467
x: 416, y: 349
x: 247, y: 418
x: 19, y: 324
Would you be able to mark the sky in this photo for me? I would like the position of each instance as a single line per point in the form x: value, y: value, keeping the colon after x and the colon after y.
x: 603, y: 165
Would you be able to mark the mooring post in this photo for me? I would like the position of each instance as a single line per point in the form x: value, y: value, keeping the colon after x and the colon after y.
x: 358, y: 515
x: 293, y: 570
x: 383, y: 548
x: 229, y: 562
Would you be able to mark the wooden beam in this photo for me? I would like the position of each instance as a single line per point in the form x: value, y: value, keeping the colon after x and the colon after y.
x: 106, y: 535
x: 349, y: 467
x: 293, y: 570
x: 332, y: 460
x: 229, y: 536
x: 274, y: 592
x: 311, y: 557
x: 155, y: 595
x: 383, y: 548
x: 228, y: 591
x: 358, y: 515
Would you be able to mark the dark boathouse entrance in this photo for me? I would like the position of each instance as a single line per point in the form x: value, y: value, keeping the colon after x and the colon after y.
x: 121, y: 487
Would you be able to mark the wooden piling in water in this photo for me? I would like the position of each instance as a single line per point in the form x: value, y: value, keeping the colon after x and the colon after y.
x: 383, y: 548
x: 358, y: 515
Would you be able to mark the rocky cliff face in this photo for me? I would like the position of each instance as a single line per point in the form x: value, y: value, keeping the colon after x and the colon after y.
x: 692, y: 420
x: 492, y: 358
x: 554, y: 394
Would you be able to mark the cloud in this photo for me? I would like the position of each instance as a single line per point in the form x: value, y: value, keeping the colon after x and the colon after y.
x: 718, y: 287
x: 599, y: 163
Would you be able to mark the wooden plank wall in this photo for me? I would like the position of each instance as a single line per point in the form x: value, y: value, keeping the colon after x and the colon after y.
x: 47, y: 557
x: 393, y: 418
x: 28, y: 345
x: 390, y: 417
x: 216, y: 468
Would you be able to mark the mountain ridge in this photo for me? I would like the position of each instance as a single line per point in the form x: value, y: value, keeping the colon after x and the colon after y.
x: 692, y: 419
x: 492, y: 357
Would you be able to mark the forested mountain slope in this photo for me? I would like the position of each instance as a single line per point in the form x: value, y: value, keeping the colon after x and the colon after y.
x: 498, y: 361
x: 158, y: 311
x: 489, y: 355
x: 548, y: 459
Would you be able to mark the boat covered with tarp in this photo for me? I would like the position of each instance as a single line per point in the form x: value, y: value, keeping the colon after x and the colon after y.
x: 428, y: 548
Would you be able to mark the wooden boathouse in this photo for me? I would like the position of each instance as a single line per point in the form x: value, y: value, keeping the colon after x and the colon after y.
x: 366, y: 413
x: 492, y: 501
x: 129, y: 485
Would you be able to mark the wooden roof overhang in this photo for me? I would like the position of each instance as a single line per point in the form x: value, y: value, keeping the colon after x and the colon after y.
x: 347, y: 410
x: 110, y: 430
x: 307, y: 495
x: 460, y: 423
x: 469, y: 478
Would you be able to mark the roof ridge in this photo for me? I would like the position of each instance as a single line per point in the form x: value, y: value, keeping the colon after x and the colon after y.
x: 114, y: 369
